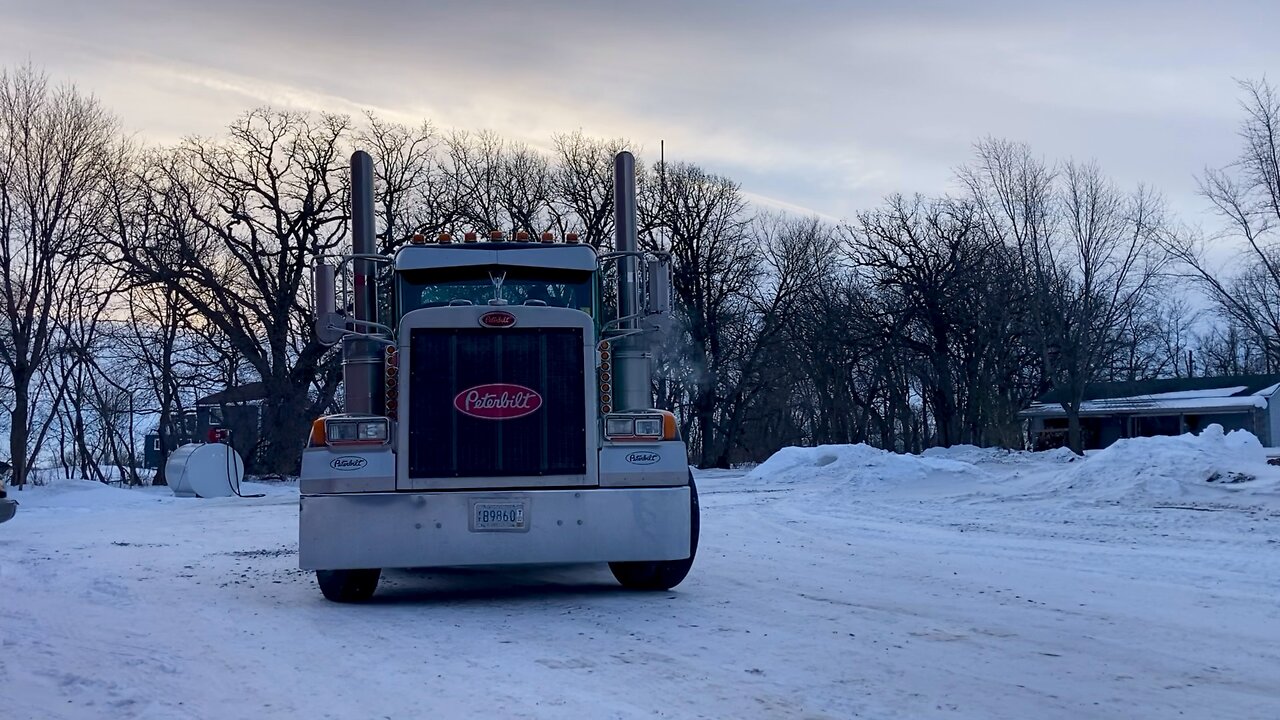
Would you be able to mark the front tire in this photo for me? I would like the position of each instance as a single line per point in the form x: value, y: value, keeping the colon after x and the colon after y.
x: 348, y: 586
x: 662, y: 574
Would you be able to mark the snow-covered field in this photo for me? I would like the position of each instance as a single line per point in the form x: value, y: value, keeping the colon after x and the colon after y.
x: 834, y: 582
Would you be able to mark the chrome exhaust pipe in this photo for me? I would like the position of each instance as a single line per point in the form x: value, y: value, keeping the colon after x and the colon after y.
x: 632, y: 359
x: 361, y: 358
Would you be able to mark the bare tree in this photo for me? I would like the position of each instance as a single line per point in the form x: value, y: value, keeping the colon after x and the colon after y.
x: 1088, y: 252
x: 158, y: 336
x: 474, y: 162
x: 716, y: 264
x: 54, y: 146
x: 1231, y: 350
x: 411, y: 192
x: 1246, y: 196
x: 582, y: 187
x: 755, y: 413
x: 945, y: 281
x: 237, y: 226
x: 524, y: 190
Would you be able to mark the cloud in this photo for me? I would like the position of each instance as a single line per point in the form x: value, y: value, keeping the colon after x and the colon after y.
x: 815, y: 105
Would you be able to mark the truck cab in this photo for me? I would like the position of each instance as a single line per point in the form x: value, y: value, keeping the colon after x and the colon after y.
x: 496, y: 416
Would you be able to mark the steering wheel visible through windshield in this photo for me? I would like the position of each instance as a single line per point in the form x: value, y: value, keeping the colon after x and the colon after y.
x: 516, y: 285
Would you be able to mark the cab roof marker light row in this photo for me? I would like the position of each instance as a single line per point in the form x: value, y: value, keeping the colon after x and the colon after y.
x: 497, y: 236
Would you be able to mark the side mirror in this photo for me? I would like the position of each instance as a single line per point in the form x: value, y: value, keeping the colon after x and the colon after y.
x: 330, y: 326
x: 657, y: 302
x: 658, y: 292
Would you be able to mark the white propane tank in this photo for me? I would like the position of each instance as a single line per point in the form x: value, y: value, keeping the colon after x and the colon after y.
x: 205, y: 470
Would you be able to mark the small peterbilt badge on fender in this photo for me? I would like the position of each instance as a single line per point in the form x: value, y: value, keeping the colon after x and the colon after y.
x: 348, y: 462
x: 498, y: 319
x: 497, y: 401
x: 643, y: 457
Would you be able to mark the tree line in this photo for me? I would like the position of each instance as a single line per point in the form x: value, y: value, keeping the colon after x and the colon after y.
x: 136, y: 278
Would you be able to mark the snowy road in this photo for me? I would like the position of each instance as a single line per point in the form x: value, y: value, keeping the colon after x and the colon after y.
x: 809, y: 599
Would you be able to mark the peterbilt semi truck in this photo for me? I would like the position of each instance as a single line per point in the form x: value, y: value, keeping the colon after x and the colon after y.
x: 497, y: 409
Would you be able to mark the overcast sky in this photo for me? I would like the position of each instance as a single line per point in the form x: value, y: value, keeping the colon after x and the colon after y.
x: 822, y: 106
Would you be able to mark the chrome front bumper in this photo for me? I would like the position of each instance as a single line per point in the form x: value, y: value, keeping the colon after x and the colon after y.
x: 433, y: 529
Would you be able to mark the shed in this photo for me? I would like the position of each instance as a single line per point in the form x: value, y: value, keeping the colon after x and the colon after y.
x: 235, y: 409
x: 1144, y: 408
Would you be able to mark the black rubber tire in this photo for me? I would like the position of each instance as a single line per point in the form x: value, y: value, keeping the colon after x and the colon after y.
x: 662, y: 574
x: 348, y: 586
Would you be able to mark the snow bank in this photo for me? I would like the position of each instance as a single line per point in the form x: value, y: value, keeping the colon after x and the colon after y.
x: 1211, y: 466
x: 87, y: 495
x: 979, y: 455
x: 860, y: 464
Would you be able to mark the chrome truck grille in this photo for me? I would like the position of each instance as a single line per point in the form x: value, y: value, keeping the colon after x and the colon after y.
x: 495, y: 403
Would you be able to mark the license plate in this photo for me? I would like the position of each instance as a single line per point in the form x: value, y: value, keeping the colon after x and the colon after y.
x: 489, y: 516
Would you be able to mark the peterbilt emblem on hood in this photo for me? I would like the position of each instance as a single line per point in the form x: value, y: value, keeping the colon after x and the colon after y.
x: 348, y: 462
x: 498, y: 319
x: 497, y: 401
x: 643, y: 457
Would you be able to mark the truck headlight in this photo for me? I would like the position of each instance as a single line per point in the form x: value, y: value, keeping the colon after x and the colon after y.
x: 356, y: 430
x: 649, y: 427
x: 619, y: 427
x: 652, y: 425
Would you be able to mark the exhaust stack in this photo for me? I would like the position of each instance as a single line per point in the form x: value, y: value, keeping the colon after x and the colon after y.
x: 361, y: 358
x: 633, y: 381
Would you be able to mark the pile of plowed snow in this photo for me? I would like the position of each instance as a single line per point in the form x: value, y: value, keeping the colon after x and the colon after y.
x: 90, y: 495
x: 1212, y: 467
x: 999, y: 456
x: 87, y: 495
x: 859, y: 464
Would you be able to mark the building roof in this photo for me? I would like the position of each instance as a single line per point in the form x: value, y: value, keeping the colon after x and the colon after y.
x: 1174, y: 395
x: 249, y: 392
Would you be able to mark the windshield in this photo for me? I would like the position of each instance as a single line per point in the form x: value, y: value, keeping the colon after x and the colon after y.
x: 478, y: 285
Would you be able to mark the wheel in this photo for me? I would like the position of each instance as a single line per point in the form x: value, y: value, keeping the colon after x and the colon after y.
x: 663, y: 574
x: 348, y: 586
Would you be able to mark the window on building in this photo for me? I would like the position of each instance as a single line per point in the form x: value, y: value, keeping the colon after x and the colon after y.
x: 1153, y: 425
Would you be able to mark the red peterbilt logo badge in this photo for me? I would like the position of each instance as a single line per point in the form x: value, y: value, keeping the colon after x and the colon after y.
x: 497, y: 401
x: 498, y: 319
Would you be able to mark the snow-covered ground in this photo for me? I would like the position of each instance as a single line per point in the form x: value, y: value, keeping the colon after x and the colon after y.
x: 834, y: 582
